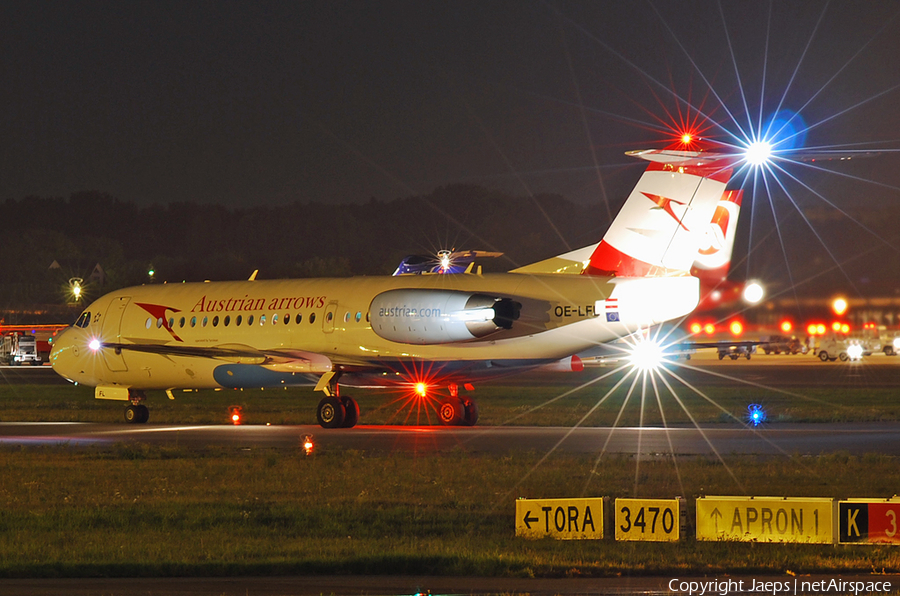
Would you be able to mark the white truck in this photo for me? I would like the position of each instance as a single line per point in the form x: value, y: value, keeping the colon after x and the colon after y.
x: 832, y: 347
x: 17, y: 348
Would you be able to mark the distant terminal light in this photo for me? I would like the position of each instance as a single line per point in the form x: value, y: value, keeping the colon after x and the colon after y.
x: 839, y: 306
x: 786, y: 326
x: 421, y: 389
x: 696, y: 328
x: 820, y: 329
x: 736, y: 328
x: 753, y: 292
x: 235, y: 414
x: 686, y: 138
x: 709, y: 328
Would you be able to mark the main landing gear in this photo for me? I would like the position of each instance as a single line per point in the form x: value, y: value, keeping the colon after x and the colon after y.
x: 136, y: 413
x: 337, y: 412
x: 458, y: 411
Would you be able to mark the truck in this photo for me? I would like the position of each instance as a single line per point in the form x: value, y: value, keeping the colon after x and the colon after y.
x: 17, y: 348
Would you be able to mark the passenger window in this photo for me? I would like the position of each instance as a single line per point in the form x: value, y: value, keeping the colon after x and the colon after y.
x: 329, y: 316
x: 171, y: 322
x: 250, y: 320
x: 193, y: 321
x: 149, y: 322
x: 346, y: 317
x: 238, y: 320
x: 287, y: 319
x: 358, y: 316
x: 205, y: 321
x: 312, y: 318
x: 227, y: 320
x: 181, y: 322
x: 262, y: 319
x: 216, y: 321
x: 159, y: 323
x: 274, y: 318
x: 299, y: 318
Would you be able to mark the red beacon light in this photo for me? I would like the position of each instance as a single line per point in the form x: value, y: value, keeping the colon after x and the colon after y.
x: 736, y: 328
x: 236, y: 414
x: 307, y: 444
x: 786, y: 326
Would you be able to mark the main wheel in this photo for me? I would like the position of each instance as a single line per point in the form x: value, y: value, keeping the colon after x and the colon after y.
x: 844, y: 357
x: 471, y: 412
x: 823, y: 355
x: 888, y: 350
x: 452, y: 411
x: 143, y: 413
x: 330, y: 412
x: 747, y: 355
x: 721, y: 355
x: 351, y: 412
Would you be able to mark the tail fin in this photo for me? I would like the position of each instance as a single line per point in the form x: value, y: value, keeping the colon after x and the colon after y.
x: 658, y: 231
x: 714, y: 257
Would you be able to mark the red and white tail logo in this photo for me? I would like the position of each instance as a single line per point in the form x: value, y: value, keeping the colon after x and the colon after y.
x: 714, y: 257
x: 662, y: 225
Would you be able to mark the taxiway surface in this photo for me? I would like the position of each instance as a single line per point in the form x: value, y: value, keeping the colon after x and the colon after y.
x: 785, y: 439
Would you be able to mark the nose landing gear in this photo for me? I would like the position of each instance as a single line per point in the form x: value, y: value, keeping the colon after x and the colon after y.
x: 136, y: 413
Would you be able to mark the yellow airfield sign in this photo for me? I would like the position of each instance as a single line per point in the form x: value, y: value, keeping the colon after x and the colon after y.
x: 766, y: 519
x: 651, y: 520
x: 563, y: 519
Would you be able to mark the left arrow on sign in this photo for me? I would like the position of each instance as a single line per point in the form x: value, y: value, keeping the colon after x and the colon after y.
x: 528, y: 519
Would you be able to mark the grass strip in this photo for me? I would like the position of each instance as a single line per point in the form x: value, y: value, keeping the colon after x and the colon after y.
x: 163, y: 511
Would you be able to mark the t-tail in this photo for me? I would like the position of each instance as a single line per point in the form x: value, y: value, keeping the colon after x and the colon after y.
x: 665, y: 224
x: 661, y: 227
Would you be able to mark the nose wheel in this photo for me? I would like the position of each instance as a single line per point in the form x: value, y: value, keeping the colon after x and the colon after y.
x: 137, y: 414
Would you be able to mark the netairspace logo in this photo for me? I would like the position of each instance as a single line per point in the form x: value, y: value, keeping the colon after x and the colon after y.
x: 793, y: 587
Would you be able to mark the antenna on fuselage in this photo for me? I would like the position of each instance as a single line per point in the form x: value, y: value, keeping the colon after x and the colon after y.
x: 253, y: 275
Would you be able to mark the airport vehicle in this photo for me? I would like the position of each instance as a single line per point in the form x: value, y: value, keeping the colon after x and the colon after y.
x: 836, y: 346
x: 778, y: 344
x: 18, y: 348
x: 419, y: 332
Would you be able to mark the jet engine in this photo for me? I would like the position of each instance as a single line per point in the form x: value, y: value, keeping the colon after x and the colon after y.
x: 425, y: 317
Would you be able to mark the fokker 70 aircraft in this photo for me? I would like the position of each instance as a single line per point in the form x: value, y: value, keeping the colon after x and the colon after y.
x: 442, y: 331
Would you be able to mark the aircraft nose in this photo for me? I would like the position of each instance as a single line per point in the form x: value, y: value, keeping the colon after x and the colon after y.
x: 64, y: 354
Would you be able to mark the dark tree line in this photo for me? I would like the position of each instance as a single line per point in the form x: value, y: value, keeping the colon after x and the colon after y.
x: 184, y: 241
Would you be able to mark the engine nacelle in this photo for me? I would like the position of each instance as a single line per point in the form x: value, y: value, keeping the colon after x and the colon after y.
x: 426, y: 317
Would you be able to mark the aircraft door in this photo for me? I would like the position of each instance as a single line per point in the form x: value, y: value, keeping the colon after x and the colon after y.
x: 330, y: 314
x: 112, y: 332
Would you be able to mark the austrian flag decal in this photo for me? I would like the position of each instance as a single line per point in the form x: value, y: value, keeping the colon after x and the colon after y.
x: 612, y: 310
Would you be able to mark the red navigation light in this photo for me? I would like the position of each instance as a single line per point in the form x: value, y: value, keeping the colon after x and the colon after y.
x: 736, y: 328
x: 421, y: 389
x: 836, y: 326
x: 811, y: 329
x: 235, y: 413
x: 709, y: 328
x: 845, y: 328
x: 820, y: 329
x: 786, y: 326
x: 696, y: 328
x: 686, y: 138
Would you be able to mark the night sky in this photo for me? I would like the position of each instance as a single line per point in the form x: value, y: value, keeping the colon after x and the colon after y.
x: 264, y: 103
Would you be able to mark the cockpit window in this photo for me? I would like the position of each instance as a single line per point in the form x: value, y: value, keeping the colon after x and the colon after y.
x: 83, y: 320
